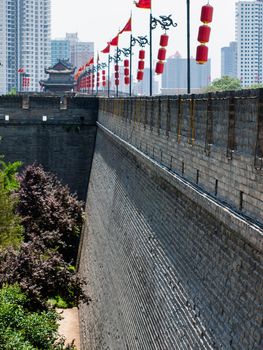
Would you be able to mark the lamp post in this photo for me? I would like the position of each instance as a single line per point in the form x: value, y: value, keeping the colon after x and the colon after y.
x: 188, y: 48
x: 165, y: 22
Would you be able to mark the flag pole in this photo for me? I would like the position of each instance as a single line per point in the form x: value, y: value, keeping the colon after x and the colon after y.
x: 109, y: 74
x: 151, y: 64
x: 188, y: 48
x: 97, y: 88
x: 130, y: 87
x: 117, y: 70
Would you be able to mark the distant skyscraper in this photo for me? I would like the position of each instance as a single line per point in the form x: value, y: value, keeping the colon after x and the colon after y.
x: 229, y: 60
x: 24, y: 42
x: 143, y: 87
x: 80, y: 52
x: 249, y: 37
x: 60, y: 50
x: 174, y: 77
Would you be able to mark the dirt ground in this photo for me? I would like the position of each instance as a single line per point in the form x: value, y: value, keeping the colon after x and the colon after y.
x: 69, y: 325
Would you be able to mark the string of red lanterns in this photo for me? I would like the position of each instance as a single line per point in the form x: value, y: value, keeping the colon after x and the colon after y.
x: 204, y: 34
x: 126, y: 64
x: 159, y: 68
x: 141, y: 64
x: 117, y: 75
x: 103, y: 78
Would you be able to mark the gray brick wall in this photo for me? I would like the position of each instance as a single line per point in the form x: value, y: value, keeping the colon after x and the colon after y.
x: 215, y: 140
x: 63, y: 144
x: 167, y: 267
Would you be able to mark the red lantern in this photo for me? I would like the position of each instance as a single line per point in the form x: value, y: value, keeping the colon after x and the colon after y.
x: 141, y: 65
x: 117, y: 75
x: 207, y: 14
x: 126, y: 71
x: 161, y: 54
x: 104, y: 83
x: 140, y: 75
x: 116, y: 67
x: 103, y: 72
x: 164, y: 40
x: 159, y: 67
x: 141, y: 54
x: 126, y: 63
x: 204, y: 34
x: 117, y: 82
x: 126, y: 80
x: 103, y: 77
x: 201, y: 54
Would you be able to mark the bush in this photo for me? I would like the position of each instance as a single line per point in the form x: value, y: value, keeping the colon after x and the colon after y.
x: 11, y: 232
x: 49, y: 210
x: 41, y: 273
x: 21, y: 329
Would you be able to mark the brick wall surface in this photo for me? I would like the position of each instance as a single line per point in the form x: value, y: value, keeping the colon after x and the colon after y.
x: 63, y: 144
x: 214, y: 141
x: 166, y: 265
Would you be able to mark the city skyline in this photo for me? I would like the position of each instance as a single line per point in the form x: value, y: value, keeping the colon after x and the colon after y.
x: 93, y: 23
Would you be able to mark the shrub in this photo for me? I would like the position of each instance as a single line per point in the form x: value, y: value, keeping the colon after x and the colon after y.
x: 21, y: 329
x: 48, y: 209
x: 41, y: 273
x: 11, y: 232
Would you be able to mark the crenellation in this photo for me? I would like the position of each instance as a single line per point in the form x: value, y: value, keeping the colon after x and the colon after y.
x: 215, y: 134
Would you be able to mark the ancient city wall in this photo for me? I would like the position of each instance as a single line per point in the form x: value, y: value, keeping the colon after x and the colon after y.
x: 172, y: 250
x: 57, y: 133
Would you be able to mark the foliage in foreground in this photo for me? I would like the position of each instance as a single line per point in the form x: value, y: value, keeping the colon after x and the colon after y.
x: 21, y: 329
x: 48, y: 209
x: 11, y: 232
x: 41, y: 273
x: 52, y: 218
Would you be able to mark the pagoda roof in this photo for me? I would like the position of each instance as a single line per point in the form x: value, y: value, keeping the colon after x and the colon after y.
x: 48, y: 83
x: 61, y: 67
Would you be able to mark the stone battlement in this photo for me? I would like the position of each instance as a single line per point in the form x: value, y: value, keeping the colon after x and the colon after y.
x: 213, y: 140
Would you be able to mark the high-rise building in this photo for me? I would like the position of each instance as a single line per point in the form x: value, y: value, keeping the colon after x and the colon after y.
x: 142, y: 88
x: 174, y: 78
x: 249, y: 37
x: 24, y: 42
x: 80, y: 52
x: 60, y: 50
x: 229, y: 60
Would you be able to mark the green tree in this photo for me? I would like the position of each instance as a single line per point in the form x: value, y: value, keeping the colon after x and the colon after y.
x: 9, y: 171
x: 12, y: 91
x: 11, y: 232
x: 24, y: 329
x: 224, y: 84
x: 255, y: 86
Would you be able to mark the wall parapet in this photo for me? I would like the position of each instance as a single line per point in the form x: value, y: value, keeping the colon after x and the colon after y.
x: 213, y: 140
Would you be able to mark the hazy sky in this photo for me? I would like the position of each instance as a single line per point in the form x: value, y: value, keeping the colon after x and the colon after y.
x: 99, y: 21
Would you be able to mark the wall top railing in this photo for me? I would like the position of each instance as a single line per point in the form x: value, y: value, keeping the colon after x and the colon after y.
x: 231, y: 119
x: 49, y: 102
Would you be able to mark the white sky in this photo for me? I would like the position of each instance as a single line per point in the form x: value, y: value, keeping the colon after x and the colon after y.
x: 99, y: 21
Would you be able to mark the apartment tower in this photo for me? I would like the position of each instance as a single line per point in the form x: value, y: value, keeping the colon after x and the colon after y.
x: 25, y: 28
x: 249, y: 37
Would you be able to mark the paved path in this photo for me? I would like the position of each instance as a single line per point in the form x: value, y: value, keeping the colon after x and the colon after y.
x: 69, y: 325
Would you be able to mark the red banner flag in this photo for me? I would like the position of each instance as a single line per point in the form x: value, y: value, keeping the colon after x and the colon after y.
x: 91, y: 61
x: 143, y: 4
x: 128, y: 26
x: 107, y: 49
x: 21, y: 70
x: 115, y: 41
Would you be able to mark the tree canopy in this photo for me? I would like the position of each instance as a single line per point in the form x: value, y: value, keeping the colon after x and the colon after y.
x: 224, y: 84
